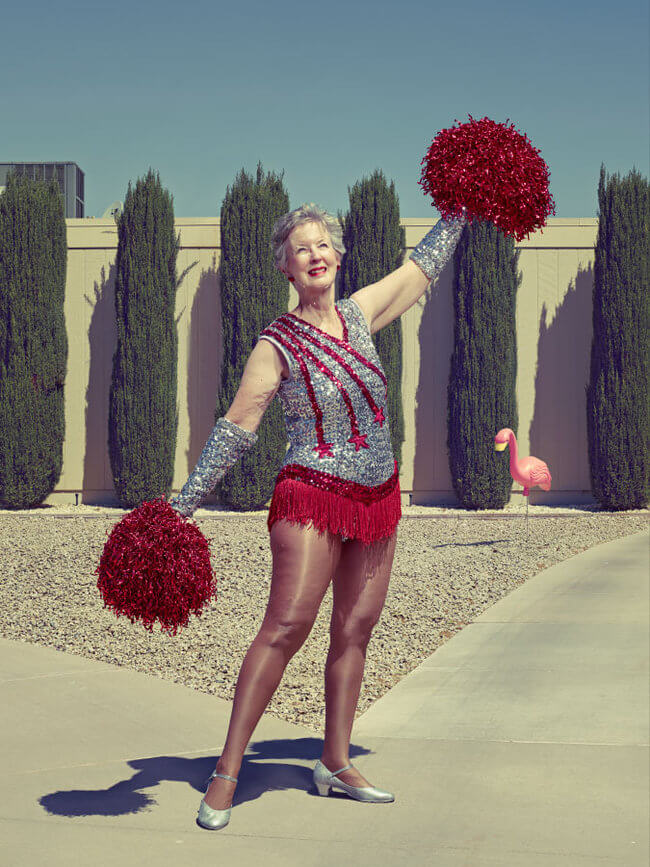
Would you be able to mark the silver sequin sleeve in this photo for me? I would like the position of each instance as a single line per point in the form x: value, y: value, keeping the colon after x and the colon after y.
x: 226, y: 444
x: 436, y: 248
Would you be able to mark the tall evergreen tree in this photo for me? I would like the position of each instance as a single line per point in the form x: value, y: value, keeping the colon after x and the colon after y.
x: 143, y: 417
x: 481, y: 396
x: 33, y: 340
x: 253, y: 293
x: 375, y: 244
x: 618, y: 412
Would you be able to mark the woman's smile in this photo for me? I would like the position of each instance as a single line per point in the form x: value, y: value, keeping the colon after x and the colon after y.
x: 311, y: 256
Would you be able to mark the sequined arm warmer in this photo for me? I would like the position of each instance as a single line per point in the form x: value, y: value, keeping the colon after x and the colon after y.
x: 435, y: 249
x: 227, y: 443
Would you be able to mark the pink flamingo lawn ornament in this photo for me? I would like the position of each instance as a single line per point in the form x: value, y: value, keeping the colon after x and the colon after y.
x: 528, y: 471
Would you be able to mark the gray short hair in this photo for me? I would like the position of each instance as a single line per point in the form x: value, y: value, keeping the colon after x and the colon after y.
x: 306, y: 213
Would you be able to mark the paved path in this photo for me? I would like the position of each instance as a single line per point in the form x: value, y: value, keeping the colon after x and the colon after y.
x: 521, y: 741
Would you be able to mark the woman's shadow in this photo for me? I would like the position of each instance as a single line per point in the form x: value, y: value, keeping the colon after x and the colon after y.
x: 254, y: 779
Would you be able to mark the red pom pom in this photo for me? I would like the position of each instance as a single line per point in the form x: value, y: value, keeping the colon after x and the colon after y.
x: 156, y: 567
x: 493, y: 171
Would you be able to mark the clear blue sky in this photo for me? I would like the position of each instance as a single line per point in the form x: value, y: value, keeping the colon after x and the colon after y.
x: 326, y: 91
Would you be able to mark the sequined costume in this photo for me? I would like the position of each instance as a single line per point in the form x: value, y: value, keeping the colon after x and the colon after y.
x: 339, y: 473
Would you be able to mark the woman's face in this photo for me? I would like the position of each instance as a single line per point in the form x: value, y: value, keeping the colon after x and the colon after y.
x: 311, y: 258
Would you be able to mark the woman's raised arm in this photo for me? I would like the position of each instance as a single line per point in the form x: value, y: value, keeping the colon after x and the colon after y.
x: 392, y: 296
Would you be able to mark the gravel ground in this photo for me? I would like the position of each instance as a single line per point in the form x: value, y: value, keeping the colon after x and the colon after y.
x: 445, y: 573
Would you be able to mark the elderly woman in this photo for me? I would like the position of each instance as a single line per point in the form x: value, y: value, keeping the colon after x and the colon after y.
x: 336, y: 502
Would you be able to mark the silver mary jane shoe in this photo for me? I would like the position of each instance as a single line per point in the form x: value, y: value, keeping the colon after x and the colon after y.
x: 324, y: 781
x: 209, y: 818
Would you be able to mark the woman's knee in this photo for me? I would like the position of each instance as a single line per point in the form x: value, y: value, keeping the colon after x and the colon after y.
x: 352, y: 630
x: 287, y: 635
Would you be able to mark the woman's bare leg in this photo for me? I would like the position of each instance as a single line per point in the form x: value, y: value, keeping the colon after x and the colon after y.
x: 304, y: 563
x: 359, y: 592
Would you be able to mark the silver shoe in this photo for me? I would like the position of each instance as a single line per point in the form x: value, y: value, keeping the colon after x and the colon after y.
x: 324, y: 781
x: 209, y: 818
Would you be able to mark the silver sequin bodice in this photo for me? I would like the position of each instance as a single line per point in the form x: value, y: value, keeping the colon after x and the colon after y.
x: 334, y: 400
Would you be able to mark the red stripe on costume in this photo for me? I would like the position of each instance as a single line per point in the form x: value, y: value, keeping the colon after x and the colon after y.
x: 324, y: 449
x: 378, y: 411
x: 356, y: 438
x: 320, y: 330
x: 342, y: 343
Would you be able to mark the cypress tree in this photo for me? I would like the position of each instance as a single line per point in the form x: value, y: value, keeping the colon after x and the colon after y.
x: 143, y: 418
x: 481, y: 396
x: 33, y: 340
x: 618, y: 414
x: 253, y: 293
x: 375, y: 243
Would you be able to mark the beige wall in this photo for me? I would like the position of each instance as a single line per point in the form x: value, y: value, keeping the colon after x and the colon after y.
x: 553, y: 336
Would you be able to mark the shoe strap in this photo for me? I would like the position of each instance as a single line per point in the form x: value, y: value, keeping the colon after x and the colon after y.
x: 340, y: 771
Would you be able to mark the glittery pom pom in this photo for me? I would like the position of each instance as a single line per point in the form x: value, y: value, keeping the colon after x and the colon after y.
x: 155, y: 567
x: 491, y: 169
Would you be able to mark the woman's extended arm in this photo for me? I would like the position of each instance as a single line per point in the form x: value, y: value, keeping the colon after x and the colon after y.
x: 226, y: 444
x: 228, y: 441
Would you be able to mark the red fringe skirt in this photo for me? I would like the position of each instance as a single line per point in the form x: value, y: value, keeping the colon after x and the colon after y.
x: 328, y: 502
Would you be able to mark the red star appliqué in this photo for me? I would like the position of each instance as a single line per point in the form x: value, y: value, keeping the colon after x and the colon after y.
x: 379, y: 416
x: 359, y: 440
x: 324, y: 450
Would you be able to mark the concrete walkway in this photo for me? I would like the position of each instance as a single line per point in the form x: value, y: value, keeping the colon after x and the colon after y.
x: 521, y: 741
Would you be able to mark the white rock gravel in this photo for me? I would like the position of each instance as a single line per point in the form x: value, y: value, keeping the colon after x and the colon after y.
x: 445, y: 573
